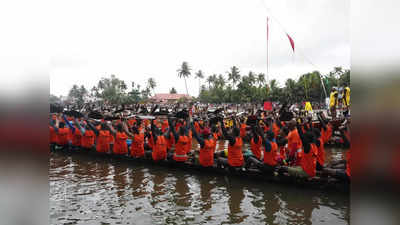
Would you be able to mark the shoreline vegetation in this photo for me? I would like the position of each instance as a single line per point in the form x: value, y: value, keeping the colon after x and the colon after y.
x: 231, y: 87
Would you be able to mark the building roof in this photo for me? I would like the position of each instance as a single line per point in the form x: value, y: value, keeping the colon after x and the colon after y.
x: 170, y: 96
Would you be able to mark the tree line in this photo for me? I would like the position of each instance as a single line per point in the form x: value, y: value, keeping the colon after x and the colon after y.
x: 253, y: 87
x: 235, y: 88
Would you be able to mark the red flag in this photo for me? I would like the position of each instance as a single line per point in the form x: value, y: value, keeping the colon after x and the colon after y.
x: 291, y: 41
x: 268, y: 106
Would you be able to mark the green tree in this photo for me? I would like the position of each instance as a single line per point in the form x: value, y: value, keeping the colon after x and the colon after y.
x: 77, y: 95
x: 184, y: 72
x: 234, y: 75
x: 199, y: 75
x: 112, y: 90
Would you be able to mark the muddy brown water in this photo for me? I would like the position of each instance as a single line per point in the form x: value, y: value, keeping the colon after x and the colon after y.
x: 87, y: 190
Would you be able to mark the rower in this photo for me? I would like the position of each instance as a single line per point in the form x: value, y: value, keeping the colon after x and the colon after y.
x: 137, y: 146
x: 269, y: 161
x: 294, y: 142
x: 207, y: 146
x: 182, y: 142
x: 63, y: 138
x: 235, y: 154
x: 88, y: 135
x: 104, y: 138
x: 159, y: 151
x: 307, y: 156
x: 255, y: 143
x: 120, y: 145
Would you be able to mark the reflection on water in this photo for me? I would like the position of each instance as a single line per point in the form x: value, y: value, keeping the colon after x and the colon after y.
x: 95, y: 190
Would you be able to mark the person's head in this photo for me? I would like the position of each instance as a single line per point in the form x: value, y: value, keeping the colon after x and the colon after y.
x: 103, y: 126
x: 214, y: 129
x: 281, y: 141
x: 309, y: 137
x: 157, y: 131
x: 181, y: 131
x: 291, y: 125
x: 119, y: 127
x: 236, y: 132
x: 61, y: 125
x: 285, y: 131
x: 135, y: 130
x: 205, y: 132
x: 270, y: 135
x: 316, y: 132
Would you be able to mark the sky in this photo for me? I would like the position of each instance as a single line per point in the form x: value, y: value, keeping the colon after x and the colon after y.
x: 136, y: 40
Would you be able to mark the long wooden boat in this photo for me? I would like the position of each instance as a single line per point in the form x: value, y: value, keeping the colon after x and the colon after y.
x: 320, y: 183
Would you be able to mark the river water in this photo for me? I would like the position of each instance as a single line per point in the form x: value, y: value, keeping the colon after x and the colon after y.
x: 89, y: 190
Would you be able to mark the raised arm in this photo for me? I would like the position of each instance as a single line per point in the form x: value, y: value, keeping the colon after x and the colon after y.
x: 68, y: 124
x: 111, y: 129
x: 153, y: 131
x: 200, y: 140
x: 266, y: 143
x: 322, y: 122
x: 53, y: 124
x: 171, y: 128
x: 126, y: 130
x: 227, y: 136
x: 90, y: 125
x: 81, y: 129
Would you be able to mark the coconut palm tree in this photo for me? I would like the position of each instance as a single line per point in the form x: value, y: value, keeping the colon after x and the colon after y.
x: 252, y: 78
x: 199, y: 75
x: 260, y: 79
x: 209, y: 81
x: 184, y: 72
x: 234, y: 75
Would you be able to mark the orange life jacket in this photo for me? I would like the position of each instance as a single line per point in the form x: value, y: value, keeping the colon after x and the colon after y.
x: 189, y: 146
x: 242, y: 130
x: 53, y: 135
x: 137, y: 146
x: 160, y: 149
x: 275, y: 129
x: 270, y: 157
x: 63, y: 136
x: 256, y: 147
x: 88, y: 139
x: 321, y: 152
x: 103, y: 141
x: 181, y: 148
x: 309, y: 161
x: 215, y: 135
x: 206, y: 156
x: 120, y: 145
x: 197, y: 127
x: 235, y: 155
x: 282, y: 152
x: 164, y: 126
x: 328, y: 133
x: 77, y: 138
x: 294, y: 142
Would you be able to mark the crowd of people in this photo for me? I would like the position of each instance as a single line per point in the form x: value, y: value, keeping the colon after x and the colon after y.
x: 292, y: 146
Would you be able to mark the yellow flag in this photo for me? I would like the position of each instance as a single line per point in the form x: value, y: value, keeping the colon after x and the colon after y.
x: 308, y: 106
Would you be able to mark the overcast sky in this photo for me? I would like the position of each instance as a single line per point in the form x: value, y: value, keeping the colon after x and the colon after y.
x: 139, y: 39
